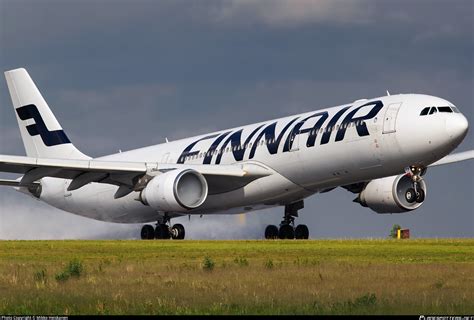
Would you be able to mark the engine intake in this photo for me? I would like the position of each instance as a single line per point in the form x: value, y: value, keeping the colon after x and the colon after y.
x: 388, y: 195
x: 176, y: 190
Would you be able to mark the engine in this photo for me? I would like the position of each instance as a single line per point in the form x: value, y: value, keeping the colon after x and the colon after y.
x: 392, y: 195
x: 176, y: 190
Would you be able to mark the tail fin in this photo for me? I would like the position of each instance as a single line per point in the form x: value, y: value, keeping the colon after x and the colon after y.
x: 42, y: 134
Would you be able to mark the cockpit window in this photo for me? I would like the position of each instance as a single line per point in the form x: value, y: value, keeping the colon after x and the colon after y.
x: 424, y: 112
x: 433, y: 110
x: 455, y: 109
x: 445, y: 109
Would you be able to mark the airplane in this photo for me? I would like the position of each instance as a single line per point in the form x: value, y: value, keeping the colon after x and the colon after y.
x: 378, y: 149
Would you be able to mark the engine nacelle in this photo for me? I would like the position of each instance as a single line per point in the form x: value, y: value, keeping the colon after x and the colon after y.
x: 387, y: 195
x: 176, y: 190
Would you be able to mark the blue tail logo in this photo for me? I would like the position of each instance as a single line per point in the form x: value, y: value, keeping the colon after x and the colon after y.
x: 50, y: 138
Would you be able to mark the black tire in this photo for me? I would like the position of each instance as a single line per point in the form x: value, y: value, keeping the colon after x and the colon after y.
x: 147, y: 232
x: 286, y: 232
x: 177, y: 232
x: 420, y: 197
x: 271, y: 232
x: 410, y: 195
x: 301, y: 232
x: 162, y: 232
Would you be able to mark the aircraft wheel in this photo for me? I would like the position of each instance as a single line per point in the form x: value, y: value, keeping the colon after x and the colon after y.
x: 301, y: 232
x: 420, y: 197
x: 177, y: 232
x: 147, y: 232
x: 162, y: 232
x: 286, y: 232
x: 271, y: 232
x: 410, y: 195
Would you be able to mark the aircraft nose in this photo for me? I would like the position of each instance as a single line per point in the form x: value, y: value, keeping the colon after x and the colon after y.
x: 457, y: 127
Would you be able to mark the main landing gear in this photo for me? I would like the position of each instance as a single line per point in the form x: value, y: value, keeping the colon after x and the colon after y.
x: 163, y: 230
x: 287, y: 228
x: 416, y: 193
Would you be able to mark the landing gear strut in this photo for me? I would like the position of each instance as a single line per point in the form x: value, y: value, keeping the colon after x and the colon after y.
x: 416, y: 193
x: 287, y: 228
x: 163, y: 230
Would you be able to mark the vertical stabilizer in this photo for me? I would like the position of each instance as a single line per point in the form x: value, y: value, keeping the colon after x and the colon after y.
x: 41, y: 133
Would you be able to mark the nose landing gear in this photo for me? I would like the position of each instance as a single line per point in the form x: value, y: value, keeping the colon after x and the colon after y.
x: 416, y: 193
x: 287, y: 228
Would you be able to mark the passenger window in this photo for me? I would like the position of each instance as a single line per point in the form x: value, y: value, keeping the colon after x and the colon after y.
x: 424, y: 112
x: 445, y: 109
x: 433, y: 110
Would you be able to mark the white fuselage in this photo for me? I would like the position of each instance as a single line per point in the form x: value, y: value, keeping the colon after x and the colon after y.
x: 307, y: 153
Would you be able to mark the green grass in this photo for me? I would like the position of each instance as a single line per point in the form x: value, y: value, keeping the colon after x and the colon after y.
x: 237, y: 277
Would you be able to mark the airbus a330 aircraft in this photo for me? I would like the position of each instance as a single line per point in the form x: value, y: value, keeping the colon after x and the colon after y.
x: 376, y: 148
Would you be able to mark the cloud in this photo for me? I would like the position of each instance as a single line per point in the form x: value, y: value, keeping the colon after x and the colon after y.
x: 288, y: 13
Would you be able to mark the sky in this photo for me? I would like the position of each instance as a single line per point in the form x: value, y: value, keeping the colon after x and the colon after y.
x: 120, y: 75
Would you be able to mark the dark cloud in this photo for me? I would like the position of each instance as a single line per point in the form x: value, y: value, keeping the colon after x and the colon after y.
x: 122, y: 74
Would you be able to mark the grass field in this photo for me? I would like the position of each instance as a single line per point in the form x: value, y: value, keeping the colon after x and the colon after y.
x: 237, y: 277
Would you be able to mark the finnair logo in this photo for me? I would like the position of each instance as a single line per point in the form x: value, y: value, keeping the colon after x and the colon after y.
x: 50, y: 138
x: 232, y: 140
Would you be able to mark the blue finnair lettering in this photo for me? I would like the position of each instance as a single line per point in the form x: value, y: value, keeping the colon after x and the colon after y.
x: 238, y: 149
x: 212, y: 149
x: 297, y: 130
x: 327, y: 133
x: 50, y: 138
x: 272, y: 142
x: 361, y: 127
x: 187, y: 152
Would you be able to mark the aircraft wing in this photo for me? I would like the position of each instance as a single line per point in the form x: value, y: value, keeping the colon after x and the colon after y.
x: 124, y: 174
x: 454, y: 157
